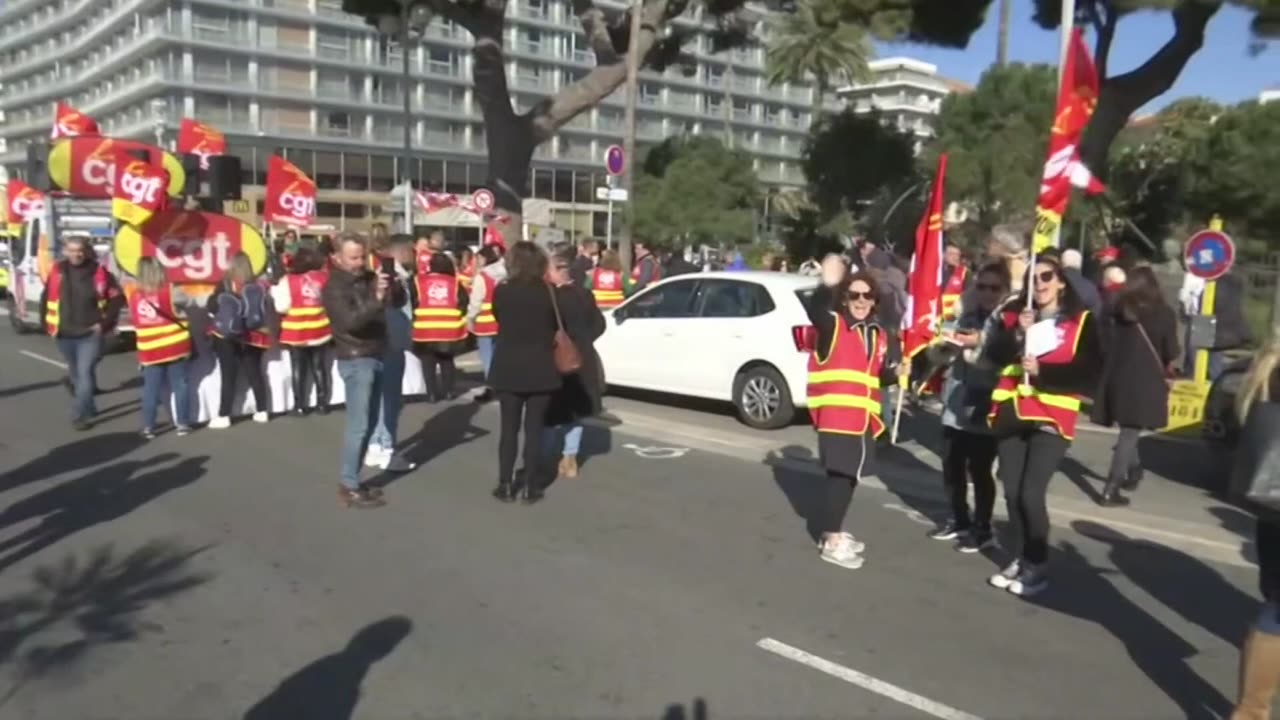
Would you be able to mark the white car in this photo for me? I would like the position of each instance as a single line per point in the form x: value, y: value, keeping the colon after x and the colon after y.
x: 735, y: 336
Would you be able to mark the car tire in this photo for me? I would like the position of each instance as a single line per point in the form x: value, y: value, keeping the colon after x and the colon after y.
x: 762, y: 398
x: 15, y: 317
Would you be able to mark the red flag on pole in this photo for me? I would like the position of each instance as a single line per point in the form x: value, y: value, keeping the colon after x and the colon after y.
x: 200, y: 139
x: 1077, y: 97
x: 290, y: 195
x: 69, y: 122
x: 924, y: 302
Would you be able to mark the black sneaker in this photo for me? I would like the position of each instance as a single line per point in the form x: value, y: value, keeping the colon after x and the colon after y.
x: 949, y: 531
x: 976, y: 542
x: 1031, y: 580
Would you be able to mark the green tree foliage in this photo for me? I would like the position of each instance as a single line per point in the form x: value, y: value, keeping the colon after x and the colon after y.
x: 996, y: 138
x: 694, y: 190
x: 1236, y: 173
x: 815, y: 42
x: 848, y: 158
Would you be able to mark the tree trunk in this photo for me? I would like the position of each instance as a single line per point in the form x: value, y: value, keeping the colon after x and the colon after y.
x: 1122, y: 95
x: 510, y: 144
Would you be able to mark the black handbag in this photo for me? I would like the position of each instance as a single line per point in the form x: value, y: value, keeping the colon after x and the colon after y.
x: 1256, y: 473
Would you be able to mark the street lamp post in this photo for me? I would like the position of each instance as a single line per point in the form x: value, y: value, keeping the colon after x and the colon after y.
x: 159, y: 116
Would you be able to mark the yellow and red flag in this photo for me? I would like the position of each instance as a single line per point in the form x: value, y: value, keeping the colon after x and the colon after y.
x: 290, y: 196
x: 25, y: 204
x: 924, y: 286
x: 199, y: 139
x: 69, y: 122
x: 1077, y: 98
x: 138, y: 191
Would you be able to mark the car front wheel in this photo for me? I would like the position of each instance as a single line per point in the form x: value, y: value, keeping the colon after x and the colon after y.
x: 762, y: 399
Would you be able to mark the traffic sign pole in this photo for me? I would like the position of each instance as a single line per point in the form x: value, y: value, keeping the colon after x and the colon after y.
x: 1207, y: 300
x: 615, y: 163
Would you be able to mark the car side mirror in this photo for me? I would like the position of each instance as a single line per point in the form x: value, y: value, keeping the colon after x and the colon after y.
x: 619, y: 315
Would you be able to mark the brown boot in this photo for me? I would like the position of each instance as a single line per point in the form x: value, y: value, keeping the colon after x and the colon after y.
x: 359, y: 499
x: 1259, y: 676
x: 569, y: 467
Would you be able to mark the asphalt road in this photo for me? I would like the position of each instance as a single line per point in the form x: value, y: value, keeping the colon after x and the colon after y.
x: 216, y: 576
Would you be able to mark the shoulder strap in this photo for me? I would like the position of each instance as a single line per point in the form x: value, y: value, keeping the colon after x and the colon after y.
x: 555, y: 305
x: 1150, y: 345
x: 162, y: 313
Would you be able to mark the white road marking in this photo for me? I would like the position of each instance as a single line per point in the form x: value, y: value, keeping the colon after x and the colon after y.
x: 864, y: 681
x: 653, y: 452
x: 43, y: 359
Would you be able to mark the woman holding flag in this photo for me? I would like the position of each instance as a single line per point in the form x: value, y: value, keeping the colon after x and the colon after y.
x: 1048, y: 346
x: 846, y: 371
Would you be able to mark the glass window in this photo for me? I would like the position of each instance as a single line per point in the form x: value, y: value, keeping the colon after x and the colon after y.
x: 455, y: 177
x: 354, y: 212
x: 433, y: 175
x: 328, y: 209
x: 382, y: 173
x: 669, y: 300
x: 355, y: 171
x: 328, y: 171
x: 733, y: 299
x: 562, y: 181
x: 542, y: 184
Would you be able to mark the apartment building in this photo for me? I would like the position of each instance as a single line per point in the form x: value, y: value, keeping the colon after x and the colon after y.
x: 907, y: 93
x: 301, y: 78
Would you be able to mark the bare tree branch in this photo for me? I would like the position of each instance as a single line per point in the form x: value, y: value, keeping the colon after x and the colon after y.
x: 489, y: 70
x: 1103, y: 16
x: 596, y: 27
x: 1158, y: 73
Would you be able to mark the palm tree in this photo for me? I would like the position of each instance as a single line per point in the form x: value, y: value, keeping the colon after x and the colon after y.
x: 814, y: 42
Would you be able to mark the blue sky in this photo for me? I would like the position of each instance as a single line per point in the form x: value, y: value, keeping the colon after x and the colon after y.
x: 1222, y: 70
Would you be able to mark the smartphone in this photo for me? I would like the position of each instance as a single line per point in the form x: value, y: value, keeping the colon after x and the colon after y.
x: 388, y: 267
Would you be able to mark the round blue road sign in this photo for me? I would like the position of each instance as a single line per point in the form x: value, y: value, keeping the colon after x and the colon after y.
x: 614, y: 160
x: 1209, y: 254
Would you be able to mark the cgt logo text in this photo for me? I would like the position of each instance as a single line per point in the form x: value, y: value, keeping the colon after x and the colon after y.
x: 99, y: 172
x: 27, y: 207
x: 196, y: 258
x: 299, y: 206
x: 141, y: 190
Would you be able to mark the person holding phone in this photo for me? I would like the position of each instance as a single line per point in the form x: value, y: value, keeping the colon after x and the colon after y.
x: 968, y: 447
x: 1035, y: 406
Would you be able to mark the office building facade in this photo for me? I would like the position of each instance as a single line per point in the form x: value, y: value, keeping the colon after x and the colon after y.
x: 302, y: 78
x: 907, y: 93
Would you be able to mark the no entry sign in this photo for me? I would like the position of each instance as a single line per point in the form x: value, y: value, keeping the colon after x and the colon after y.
x: 1209, y: 254
x: 482, y: 200
x: 614, y: 160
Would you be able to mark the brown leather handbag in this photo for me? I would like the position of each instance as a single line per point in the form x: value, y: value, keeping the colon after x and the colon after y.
x: 565, y: 353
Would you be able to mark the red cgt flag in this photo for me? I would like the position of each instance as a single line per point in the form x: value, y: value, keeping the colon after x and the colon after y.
x: 139, y: 190
x: 291, y: 195
x: 25, y: 204
x: 196, y: 138
x: 1077, y: 98
x: 69, y: 122
x: 924, y: 302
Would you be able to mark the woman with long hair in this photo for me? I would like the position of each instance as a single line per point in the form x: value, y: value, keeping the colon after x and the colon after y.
x: 523, y: 373
x: 163, y: 345
x: 304, y: 326
x: 1035, y: 406
x: 1260, y: 654
x: 240, y: 352
x: 846, y: 372
x: 1141, y: 337
x: 439, y: 324
x: 607, y: 283
x: 580, y: 396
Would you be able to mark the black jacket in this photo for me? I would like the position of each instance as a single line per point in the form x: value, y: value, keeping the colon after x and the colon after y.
x: 356, y: 318
x: 581, y: 394
x: 523, y: 359
x: 456, y: 347
x: 1132, y: 391
x: 78, y: 311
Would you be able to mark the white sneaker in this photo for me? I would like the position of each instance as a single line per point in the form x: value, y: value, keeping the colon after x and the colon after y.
x: 220, y: 422
x: 1003, y: 579
x: 261, y: 417
x: 393, y: 462
x: 376, y: 456
x: 840, y: 551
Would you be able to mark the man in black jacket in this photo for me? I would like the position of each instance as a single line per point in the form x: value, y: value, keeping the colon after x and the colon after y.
x: 356, y: 301
x: 86, y: 307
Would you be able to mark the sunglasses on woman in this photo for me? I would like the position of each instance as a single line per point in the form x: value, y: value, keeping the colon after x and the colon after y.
x: 855, y: 295
x: 1046, y: 276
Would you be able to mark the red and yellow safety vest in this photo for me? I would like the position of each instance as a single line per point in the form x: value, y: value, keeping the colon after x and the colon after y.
x: 423, y: 261
x: 844, y: 389
x: 952, y: 291
x: 467, y: 274
x: 486, y: 324
x: 305, y: 323
x: 53, y: 295
x: 606, y: 286
x: 657, y: 270
x: 436, y: 318
x: 160, y: 337
x: 1029, y: 402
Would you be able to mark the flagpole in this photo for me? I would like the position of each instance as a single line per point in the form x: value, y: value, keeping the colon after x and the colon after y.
x: 1067, y: 25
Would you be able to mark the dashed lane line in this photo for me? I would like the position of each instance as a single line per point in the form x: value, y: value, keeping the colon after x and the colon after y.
x: 865, y: 681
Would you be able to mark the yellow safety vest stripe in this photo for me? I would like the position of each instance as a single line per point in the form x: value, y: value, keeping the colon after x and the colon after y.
x: 304, y: 312
x: 304, y: 324
x: 845, y: 401
x: 144, y: 332
x: 830, y: 376
x: 165, y: 341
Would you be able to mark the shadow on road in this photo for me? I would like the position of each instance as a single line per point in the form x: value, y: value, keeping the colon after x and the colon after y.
x: 676, y: 711
x: 1190, y: 588
x: 1185, y: 463
x: 24, y: 389
x: 77, y: 455
x: 329, y: 688
x: 449, y: 428
x: 98, y: 497
x: 78, y: 604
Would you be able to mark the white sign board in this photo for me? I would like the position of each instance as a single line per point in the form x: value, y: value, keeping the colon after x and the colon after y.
x: 611, y: 194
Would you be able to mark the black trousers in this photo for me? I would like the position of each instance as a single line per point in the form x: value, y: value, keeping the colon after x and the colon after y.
x: 969, y: 455
x: 1028, y: 460
x: 839, y: 495
x: 1126, y: 465
x: 310, y: 361
x: 235, y: 359
x: 438, y: 372
x: 516, y: 409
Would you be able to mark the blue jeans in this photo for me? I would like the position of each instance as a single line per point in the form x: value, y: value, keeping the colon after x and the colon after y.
x: 484, y: 345
x: 572, y: 439
x: 81, y: 355
x: 153, y: 377
x: 384, y: 435
x: 362, y: 380
x: 1269, y: 619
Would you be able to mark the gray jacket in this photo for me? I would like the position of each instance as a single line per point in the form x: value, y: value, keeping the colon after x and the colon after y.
x: 966, y: 391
